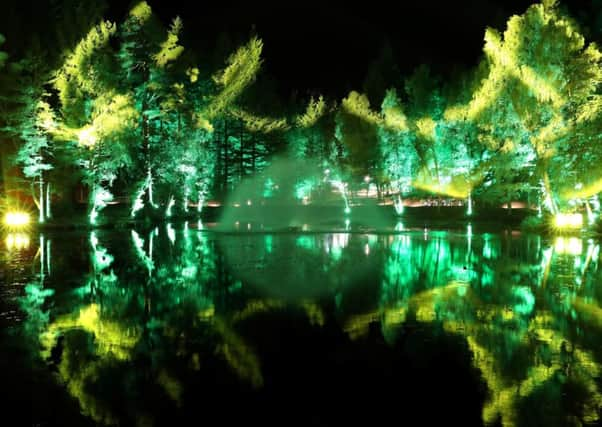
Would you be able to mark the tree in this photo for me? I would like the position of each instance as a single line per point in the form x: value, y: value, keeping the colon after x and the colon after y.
x: 356, y: 125
x: 541, y: 84
x: 30, y: 119
x: 396, y: 145
x: 34, y: 155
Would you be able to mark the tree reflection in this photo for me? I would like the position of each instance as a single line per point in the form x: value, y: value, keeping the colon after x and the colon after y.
x: 523, y: 316
x: 528, y: 309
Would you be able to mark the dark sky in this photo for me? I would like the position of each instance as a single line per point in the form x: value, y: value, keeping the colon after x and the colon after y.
x: 327, y: 46
x: 324, y: 46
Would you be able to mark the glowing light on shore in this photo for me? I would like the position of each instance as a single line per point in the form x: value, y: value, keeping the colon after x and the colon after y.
x: 567, y: 221
x: 17, y: 219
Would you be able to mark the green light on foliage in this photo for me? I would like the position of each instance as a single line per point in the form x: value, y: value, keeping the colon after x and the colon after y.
x: 99, y: 200
x: 170, y: 206
x: 171, y: 233
x: 138, y: 204
x: 268, y: 188
x: 526, y: 300
x: 303, y: 189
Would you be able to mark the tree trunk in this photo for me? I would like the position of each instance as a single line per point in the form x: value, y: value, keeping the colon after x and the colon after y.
x: 226, y: 157
x: 217, y: 141
x: 240, y: 154
x: 253, y: 152
x: 42, y: 216
x: 548, y: 190
x: 147, y: 157
x: 48, y: 213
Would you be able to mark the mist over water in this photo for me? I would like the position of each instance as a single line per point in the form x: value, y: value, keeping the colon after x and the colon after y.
x: 297, y: 195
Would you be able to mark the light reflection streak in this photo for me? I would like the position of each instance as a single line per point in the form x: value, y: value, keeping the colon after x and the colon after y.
x: 17, y: 241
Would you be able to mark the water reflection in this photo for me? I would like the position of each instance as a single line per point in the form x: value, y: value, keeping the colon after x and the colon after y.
x: 177, y: 303
x: 17, y: 241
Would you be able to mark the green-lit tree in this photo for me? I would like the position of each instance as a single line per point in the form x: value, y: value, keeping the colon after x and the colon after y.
x: 356, y: 129
x: 396, y: 144
x: 30, y: 119
x: 541, y: 84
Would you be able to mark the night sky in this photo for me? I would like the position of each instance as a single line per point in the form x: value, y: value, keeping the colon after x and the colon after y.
x: 327, y: 47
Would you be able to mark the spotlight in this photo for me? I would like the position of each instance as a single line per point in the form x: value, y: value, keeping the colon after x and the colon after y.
x: 568, y: 221
x: 16, y: 219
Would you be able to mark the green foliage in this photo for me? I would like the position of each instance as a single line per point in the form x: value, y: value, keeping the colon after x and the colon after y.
x: 170, y: 49
x: 33, y: 154
x: 316, y: 108
x: 136, y: 113
x: 79, y: 78
x: 242, y: 69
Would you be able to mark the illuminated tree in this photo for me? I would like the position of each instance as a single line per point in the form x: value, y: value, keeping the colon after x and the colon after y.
x: 143, y: 55
x: 542, y: 82
x: 356, y: 128
x: 93, y: 113
x: 34, y: 155
x: 32, y: 121
x: 396, y: 144
x: 312, y: 136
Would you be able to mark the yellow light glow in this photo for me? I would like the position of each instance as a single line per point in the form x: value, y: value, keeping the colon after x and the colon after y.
x: 450, y: 189
x: 17, y: 241
x: 568, y: 246
x: 584, y: 192
x: 16, y: 219
x: 568, y: 220
x: 87, y: 137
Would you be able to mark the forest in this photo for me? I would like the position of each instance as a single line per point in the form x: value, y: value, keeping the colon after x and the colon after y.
x: 124, y: 113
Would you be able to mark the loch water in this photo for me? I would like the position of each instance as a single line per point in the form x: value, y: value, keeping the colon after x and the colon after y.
x: 185, y: 324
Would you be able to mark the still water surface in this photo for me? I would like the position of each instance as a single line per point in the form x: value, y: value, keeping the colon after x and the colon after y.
x: 184, y: 325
